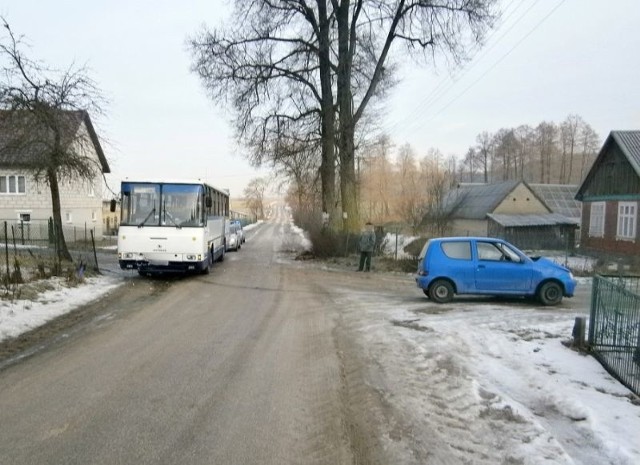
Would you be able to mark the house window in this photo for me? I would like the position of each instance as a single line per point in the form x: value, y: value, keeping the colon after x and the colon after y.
x: 596, y: 221
x: 12, y: 185
x: 24, y: 217
x: 68, y: 218
x: 627, y: 220
x: 93, y: 215
x: 92, y: 191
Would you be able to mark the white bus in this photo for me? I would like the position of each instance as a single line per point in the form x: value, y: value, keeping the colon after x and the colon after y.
x: 171, y: 226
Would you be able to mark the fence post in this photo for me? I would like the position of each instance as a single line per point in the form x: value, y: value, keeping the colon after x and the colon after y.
x: 6, y: 249
x: 396, y: 254
x: 593, y: 318
x: 95, y: 256
x: 579, y: 330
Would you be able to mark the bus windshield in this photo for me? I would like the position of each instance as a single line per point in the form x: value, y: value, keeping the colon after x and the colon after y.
x: 162, y: 204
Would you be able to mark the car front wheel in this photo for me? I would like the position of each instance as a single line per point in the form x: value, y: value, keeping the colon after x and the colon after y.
x: 550, y: 293
x: 441, y: 291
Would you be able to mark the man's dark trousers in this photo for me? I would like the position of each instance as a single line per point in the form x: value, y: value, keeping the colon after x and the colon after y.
x: 365, y: 261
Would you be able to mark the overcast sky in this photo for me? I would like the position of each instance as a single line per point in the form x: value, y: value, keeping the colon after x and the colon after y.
x: 548, y: 59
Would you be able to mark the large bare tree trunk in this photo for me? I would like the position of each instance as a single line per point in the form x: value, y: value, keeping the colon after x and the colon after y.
x: 346, y: 146
x: 61, y: 244
x: 327, y: 165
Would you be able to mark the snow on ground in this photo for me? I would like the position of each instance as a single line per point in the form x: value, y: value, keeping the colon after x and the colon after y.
x: 481, y: 382
x: 18, y: 315
x: 394, y: 244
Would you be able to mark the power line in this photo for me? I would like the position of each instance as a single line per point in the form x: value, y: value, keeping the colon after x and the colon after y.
x: 448, y: 104
x: 415, y: 121
x: 447, y: 83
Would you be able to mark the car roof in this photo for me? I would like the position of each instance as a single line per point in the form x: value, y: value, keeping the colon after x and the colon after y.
x: 466, y: 238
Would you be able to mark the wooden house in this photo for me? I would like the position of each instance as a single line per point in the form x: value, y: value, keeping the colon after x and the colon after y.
x: 610, y: 194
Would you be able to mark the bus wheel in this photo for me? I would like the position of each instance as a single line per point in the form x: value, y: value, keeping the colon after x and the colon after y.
x: 207, y: 268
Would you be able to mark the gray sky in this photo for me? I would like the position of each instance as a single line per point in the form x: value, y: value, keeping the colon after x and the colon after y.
x: 548, y: 59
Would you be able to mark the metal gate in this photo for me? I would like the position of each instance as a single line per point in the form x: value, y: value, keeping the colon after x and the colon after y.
x: 614, y: 327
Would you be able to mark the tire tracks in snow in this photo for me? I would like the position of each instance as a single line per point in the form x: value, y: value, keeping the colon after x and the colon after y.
x: 426, y: 403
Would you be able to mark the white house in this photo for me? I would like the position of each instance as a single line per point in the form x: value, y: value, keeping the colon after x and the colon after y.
x: 24, y: 199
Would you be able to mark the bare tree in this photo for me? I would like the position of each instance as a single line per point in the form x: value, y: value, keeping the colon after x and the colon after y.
x: 285, y: 61
x: 376, y: 173
x: 273, y: 63
x: 254, y: 196
x: 525, y: 137
x: 589, y: 143
x: 437, y: 183
x: 300, y: 170
x: 506, y: 150
x: 410, y: 197
x: 485, y: 151
x: 366, y: 30
x: 546, y: 133
x: 42, y: 108
x: 569, y: 132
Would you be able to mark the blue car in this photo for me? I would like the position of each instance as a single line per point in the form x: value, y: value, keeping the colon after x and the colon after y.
x: 484, y: 265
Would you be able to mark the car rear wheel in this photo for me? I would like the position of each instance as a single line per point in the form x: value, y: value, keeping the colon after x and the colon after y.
x: 550, y: 293
x: 441, y: 291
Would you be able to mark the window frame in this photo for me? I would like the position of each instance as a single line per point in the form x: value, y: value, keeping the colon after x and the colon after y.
x: 596, y: 228
x: 13, y: 180
x: 23, y: 214
x: 626, y: 227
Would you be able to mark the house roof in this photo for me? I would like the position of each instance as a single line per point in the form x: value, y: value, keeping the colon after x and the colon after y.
x: 629, y: 144
x: 15, y: 152
x: 560, y: 198
x: 543, y: 219
x: 474, y: 201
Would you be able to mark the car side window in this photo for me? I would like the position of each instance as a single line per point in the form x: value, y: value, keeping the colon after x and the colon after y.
x: 460, y: 250
x: 489, y: 251
x: 510, y: 254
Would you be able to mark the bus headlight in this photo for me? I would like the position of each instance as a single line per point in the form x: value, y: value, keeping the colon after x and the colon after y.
x: 191, y: 257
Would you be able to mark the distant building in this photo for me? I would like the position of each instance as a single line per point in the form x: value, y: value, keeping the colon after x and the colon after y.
x: 110, y: 220
x: 531, y: 216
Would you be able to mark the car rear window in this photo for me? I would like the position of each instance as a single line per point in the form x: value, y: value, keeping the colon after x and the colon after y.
x: 460, y: 250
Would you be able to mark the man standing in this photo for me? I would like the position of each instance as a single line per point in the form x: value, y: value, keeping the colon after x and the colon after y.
x: 366, y: 244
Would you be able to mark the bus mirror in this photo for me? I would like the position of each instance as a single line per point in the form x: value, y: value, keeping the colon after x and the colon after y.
x: 112, y: 206
x: 207, y: 202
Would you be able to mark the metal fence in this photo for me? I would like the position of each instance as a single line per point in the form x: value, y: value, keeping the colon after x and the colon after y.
x: 39, y: 234
x: 614, y: 327
x: 26, y: 233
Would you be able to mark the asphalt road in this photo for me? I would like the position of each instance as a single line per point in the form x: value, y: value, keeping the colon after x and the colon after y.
x: 239, y: 366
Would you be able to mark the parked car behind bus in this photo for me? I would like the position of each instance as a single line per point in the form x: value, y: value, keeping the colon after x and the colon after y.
x: 240, y: 232
x: 231, y: 233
